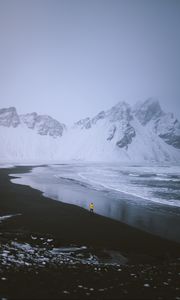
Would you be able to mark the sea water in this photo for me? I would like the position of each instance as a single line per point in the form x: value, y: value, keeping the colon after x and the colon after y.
x: 146, y: 197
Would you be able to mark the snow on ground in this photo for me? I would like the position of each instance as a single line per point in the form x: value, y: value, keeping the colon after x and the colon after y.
x: 2, y: 218
x: 41, y: 251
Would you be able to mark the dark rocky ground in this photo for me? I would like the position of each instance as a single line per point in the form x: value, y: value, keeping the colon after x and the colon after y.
x: 52, y: 250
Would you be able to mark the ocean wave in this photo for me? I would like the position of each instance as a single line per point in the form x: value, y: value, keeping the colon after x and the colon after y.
x: 136, y: 194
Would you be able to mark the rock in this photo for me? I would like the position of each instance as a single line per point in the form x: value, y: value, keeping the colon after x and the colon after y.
x: 43, y: 124
x: 129, y: 134
x: 9, y: 117
x: 84, y: 123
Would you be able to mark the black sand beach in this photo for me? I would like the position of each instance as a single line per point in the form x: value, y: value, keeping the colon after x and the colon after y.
x: 152, y: 267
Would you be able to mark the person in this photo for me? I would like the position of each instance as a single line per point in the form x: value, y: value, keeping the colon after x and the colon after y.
x: 91, y: 207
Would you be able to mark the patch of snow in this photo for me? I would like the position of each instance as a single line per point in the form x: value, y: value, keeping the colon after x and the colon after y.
x: 2, y: 218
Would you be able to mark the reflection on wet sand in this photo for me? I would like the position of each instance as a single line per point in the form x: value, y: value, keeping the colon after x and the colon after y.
x: 153, y: 217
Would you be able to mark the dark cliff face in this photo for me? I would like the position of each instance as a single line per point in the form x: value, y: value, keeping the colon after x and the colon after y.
x: 171, y: 139
x: 111, y: 132
x: 43, y: 124
x: 166, y: 126
x: 129, y: 134
x: 29, y: 119
x: 121, y: 116
x: 9, y: 117
x: 117, y: 121
x: 48, y: 126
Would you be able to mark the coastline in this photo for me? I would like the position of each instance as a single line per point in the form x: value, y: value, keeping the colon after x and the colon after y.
x: 72, y: 225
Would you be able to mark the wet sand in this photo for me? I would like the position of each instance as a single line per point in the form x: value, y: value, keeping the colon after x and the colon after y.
x: 69, y: 225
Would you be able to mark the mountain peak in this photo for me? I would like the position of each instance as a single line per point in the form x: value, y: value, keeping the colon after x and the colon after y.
x: 114, y: 134
x: 148, y: 110
x: 119, y: 111
x: 120, y: 105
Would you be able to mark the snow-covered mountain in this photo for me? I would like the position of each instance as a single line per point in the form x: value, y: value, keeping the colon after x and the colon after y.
x: 42, y: 124
x: 166, y: 126
x: 122, y: 133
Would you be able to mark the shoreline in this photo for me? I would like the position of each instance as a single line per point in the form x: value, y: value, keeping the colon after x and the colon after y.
x: 72, y: 223
x: 34, y: 266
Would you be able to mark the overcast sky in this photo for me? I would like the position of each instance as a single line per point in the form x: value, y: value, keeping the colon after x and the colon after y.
x: 73, y: 58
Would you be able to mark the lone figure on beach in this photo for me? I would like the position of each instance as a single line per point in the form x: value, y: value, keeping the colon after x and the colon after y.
x: 91, y: 207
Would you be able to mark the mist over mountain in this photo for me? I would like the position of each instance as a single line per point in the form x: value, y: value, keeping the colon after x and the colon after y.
x: 142, y: 133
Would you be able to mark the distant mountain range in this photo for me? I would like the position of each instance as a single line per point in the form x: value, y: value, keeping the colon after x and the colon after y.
x: 122, y: 133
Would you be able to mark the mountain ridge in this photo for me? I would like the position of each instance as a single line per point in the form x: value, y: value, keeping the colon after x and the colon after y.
x: 122, y: 133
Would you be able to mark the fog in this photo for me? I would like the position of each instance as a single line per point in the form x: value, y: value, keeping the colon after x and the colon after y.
x: 71, y: 59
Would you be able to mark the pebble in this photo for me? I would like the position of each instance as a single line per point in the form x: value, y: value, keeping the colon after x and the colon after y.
x: 3, y: 278
x: 146, y: 285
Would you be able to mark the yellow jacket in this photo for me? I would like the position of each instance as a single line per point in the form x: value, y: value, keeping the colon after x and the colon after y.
x: 91, y: 206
